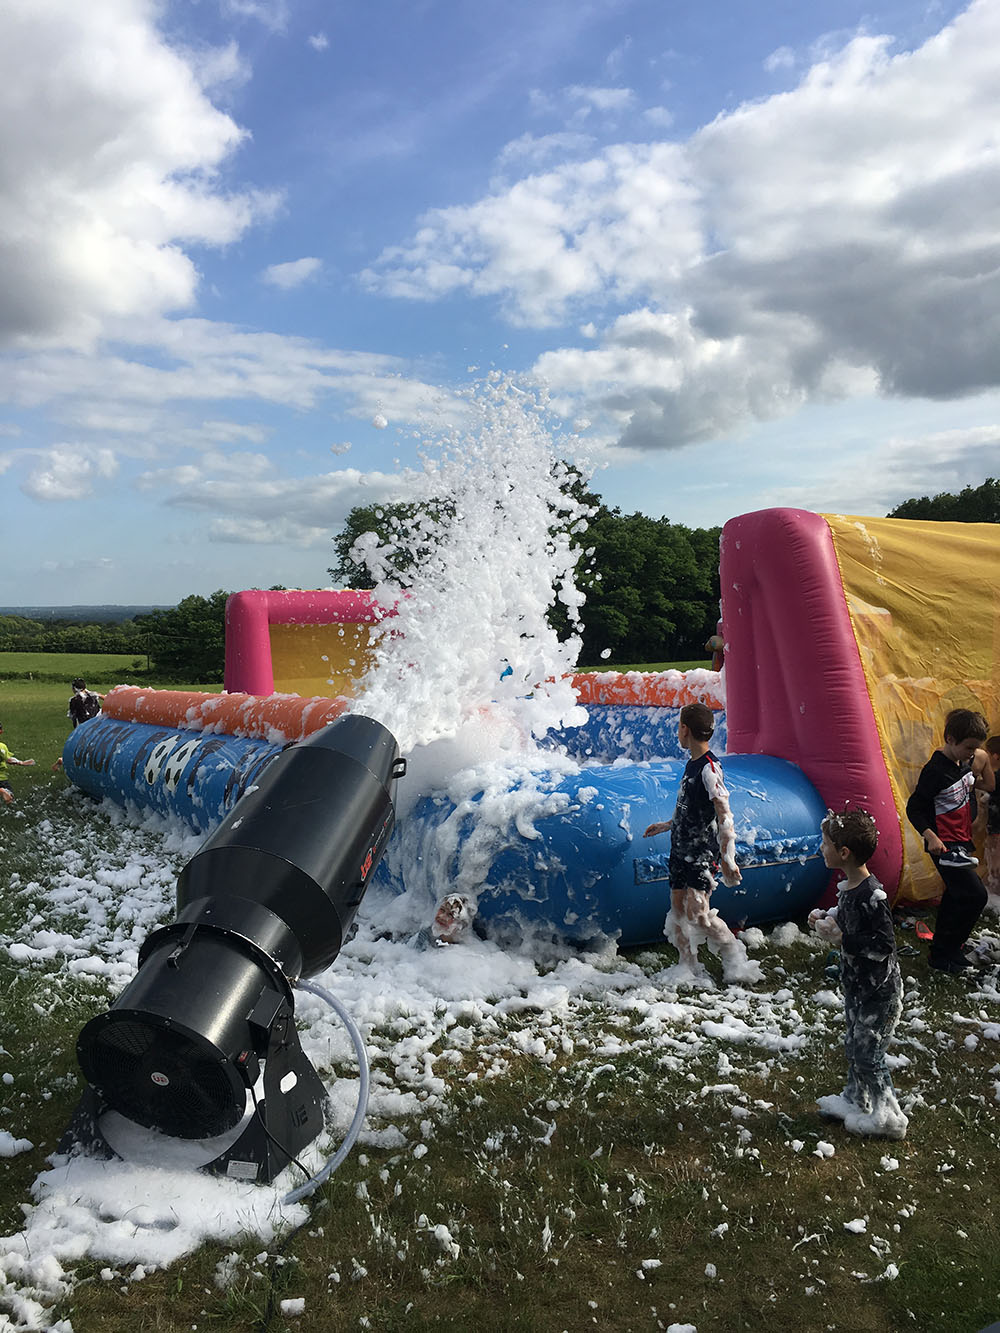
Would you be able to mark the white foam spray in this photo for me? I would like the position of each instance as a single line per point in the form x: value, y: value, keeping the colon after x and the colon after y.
x: 470, y: 631
x: 469, y: 671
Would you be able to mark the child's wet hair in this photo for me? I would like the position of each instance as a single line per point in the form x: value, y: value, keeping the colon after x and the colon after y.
x: 962, y: 724
x: 699, y: 720
x: 853, y: 829
x: 992, y: 746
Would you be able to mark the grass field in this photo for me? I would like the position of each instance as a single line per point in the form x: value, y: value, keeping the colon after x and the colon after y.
x: 34, y: 697
x: 614, y: 1156
x: 94, y: 668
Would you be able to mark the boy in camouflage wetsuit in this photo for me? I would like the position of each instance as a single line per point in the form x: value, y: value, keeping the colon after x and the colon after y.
x: 862, y: 925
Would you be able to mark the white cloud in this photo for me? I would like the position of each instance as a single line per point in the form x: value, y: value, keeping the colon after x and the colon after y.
x: 903, y: 467
x: 609, y: 228
x: 273, y: 14
x: 69, y: 472
x: 615, y: 61
x: 660, y: 117
x: 110, y: 154
x: 211, y: 466
x: 530, y: 151
x: 292, y: 274
x: 151, y: 413
x: 218, y: 69
x: 782, y: 58
x: 601, y: 99
x: 319, y: 41
x: 297, y: 511
x: 195, y: 361
x: 91, y: 566
x: 834, y: 238
x: 225, y: 432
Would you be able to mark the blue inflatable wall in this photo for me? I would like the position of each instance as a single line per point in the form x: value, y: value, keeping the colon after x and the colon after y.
x: 588, y: 871
x: 616, y: 731
x: 192, y: 775
x: 591, y: 871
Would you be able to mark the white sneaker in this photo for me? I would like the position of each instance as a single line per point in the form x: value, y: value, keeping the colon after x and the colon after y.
x: 957, y: 857
x: 885, y: 1121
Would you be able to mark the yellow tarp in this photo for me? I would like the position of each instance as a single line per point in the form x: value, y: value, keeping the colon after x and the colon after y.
x: 924, y: 600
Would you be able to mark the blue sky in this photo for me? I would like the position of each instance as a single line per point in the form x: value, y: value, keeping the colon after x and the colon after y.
x: 251, y: 250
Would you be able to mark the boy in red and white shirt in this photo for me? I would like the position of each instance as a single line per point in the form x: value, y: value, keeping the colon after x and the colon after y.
x: 941, y: 810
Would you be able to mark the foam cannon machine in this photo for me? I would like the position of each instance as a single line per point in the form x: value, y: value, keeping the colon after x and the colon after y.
x: 201, y: 1046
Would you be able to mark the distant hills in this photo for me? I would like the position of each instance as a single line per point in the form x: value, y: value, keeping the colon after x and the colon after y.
x: 83, y: 615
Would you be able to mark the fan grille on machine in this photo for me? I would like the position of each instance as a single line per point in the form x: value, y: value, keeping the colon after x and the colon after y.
x: 160, y: 1078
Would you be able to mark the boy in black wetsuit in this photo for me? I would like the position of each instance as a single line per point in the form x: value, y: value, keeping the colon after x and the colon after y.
x: 701, y: 833
x: 941, y: 810
x: 84, y: 704
x: 861, y: 924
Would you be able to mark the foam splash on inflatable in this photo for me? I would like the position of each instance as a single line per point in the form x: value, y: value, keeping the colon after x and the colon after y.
x: 470, y: 643
x: 530, y: 786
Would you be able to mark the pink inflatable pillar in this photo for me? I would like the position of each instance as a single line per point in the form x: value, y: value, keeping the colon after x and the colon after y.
x: 795, y: 686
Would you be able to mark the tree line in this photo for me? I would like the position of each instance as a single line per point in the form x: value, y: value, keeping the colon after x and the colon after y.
x: 18, y: 634
x: 185, y: 642
x: 652, y: 586
x: 972, y: 504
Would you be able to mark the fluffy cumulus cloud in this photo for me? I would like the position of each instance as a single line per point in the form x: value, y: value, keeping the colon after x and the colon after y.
x: 110, y: 154
x: 605, y: 229
x: 68, y: 472
x: 838, y: 237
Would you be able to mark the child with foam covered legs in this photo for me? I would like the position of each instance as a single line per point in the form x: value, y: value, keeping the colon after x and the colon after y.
x: 701, y: 832
x: 861, y: 924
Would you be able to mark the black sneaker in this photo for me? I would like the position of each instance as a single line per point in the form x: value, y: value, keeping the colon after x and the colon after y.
x: 954, y: 966
x: 958, y: 858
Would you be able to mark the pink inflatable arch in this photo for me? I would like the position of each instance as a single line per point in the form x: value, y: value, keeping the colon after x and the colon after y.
x: 250, y: 615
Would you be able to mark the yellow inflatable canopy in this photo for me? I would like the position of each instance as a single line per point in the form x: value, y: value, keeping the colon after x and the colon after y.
x: 924, y: 604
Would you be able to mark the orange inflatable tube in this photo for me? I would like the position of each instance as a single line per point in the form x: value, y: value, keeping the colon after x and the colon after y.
x: 275, y: 717
x: 649, y: 689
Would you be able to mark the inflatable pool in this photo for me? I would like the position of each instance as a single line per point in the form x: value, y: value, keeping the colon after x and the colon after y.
x: 581, y: 870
